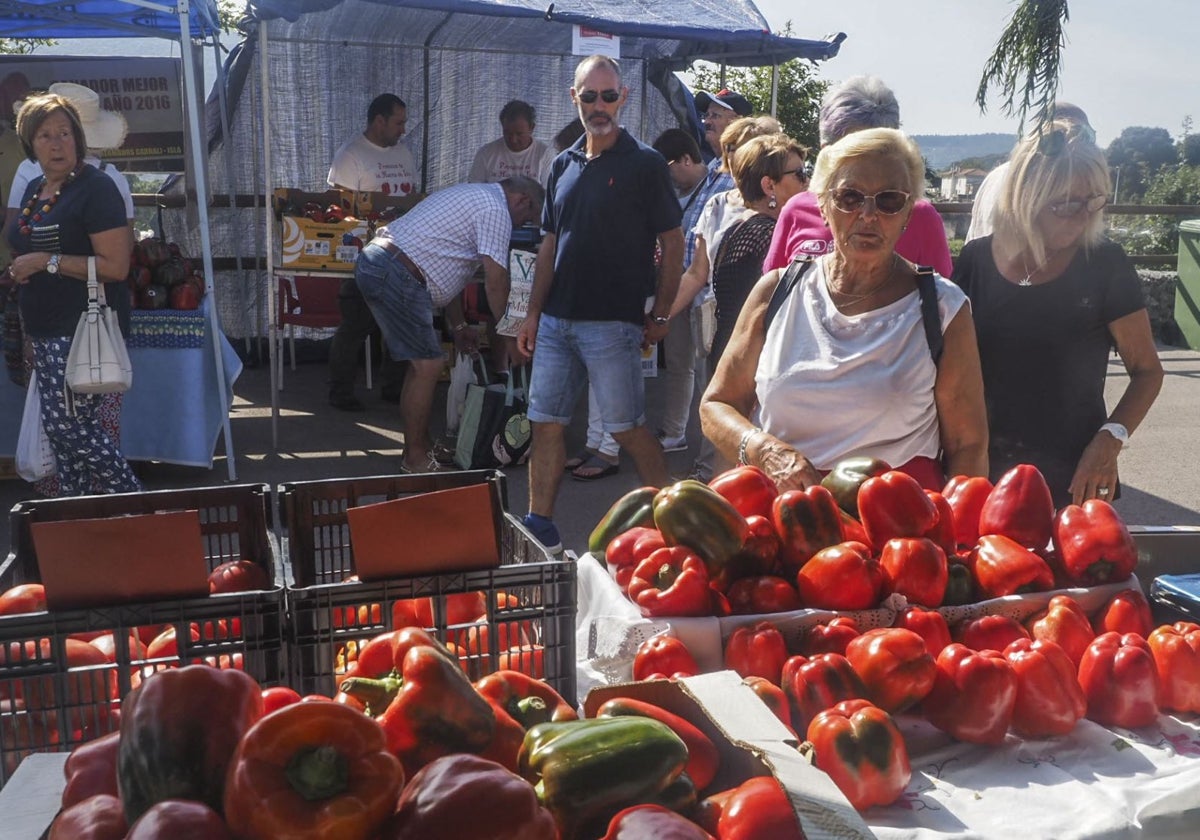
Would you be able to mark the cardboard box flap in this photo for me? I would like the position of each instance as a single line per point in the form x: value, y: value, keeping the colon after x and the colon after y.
x: 824, y: 811
x: 114, y: 560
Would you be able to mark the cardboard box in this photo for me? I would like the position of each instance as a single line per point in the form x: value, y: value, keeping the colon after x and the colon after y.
x: 752, y: 742
x: 313, y: 246
x: 393, y: 206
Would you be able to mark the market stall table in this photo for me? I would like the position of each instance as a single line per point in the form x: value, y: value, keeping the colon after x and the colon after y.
x: 174, y: 411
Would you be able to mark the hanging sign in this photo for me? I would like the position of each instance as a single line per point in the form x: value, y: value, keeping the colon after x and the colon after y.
x: 587, y: 41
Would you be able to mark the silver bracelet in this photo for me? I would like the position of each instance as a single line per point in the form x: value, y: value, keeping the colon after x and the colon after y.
x: 744, y: 442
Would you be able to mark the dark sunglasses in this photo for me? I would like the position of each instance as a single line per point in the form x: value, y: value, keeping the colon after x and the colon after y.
x: 1052, y: 143
x: 587, y: 97
x: 887, y: 202
x: 1073, y: 207
x: 801, y: 173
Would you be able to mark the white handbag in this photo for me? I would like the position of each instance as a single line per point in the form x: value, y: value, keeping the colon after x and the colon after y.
x: 34, y: 457
x: 98, y: 362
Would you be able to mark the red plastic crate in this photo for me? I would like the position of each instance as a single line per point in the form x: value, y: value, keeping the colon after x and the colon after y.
x: 328, y: 618
x: 47, y: 704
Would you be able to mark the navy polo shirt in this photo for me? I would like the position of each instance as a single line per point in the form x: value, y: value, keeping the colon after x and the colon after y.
x: 606, y: 214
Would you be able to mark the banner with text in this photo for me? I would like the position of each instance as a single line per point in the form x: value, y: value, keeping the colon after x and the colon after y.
x: 146, y: 91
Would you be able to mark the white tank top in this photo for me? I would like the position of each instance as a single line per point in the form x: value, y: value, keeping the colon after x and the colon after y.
x: 835, y: 385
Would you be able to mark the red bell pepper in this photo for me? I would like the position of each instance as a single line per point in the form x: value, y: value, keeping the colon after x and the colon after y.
x: 760, y: 554
x: 1093, y: 544
x: 847, y: 477
x: 966, y: 495
x: 663, y: 657
x: 1176, y: 651
x: 508, y: 734
x: 1066, y: 624
x: 916, y: 568
x: 1020, y: 508
x: 861, y: 749
x: 989, y: 632
x: 99, y: 817
x: 841, y: 577
x: 830, y: 637
x: 815, y: 684
x: 853, y: 530
x: 750, y: 490
x: 942, y: 532
x: 528, y: 701
x: 807, y: 521
x: 703, y: 759
x: 1003, y: 567
x: 757, y: 809
x: 312, y: 770
x: 1049, y: 699
x: 762, y: 594
x: 707, y: 813
x: 1128, y: 611
x: 1120, y: 681
x: 182, y: 819
x: 894, y: 665
x: 91, y: 768
x: 463, y: 795
x: 894, y: 505
x: 972, y: 698
x: 773, y: 697
x: 642, y: 821
x: 671, y: 581
x: 930, y: 625
x: 757, y: 651
x: 629, y: 549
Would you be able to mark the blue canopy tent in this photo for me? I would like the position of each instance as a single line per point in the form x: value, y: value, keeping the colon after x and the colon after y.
x: 185, y: 21
x: 455, y: 62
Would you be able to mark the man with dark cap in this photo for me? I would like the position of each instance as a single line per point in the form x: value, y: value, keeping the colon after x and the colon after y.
x: 717, y: 111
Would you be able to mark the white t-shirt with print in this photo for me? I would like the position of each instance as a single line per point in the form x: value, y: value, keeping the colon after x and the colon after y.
x: 361, y: 165
x: 495, y: 161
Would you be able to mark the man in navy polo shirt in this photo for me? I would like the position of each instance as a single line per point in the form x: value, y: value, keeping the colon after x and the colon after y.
x: 609, y: 200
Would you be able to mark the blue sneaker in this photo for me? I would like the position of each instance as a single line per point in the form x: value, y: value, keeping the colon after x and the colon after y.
x: 544, y: 531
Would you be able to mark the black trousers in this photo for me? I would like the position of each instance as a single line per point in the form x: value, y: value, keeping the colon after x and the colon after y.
x: 357, y: 323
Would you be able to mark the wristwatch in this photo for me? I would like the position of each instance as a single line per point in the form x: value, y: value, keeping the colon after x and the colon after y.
x: 52, y: 264
x: 659, y: 319
x: 1118, y: 431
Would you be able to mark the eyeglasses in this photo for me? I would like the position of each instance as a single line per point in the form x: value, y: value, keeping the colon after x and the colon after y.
x: 587, y: 97
x: 800, y: 172
x: 887, y: 202
x: 1073, y: 207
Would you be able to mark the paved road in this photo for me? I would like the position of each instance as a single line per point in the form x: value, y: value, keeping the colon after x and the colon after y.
x: 1160, y: 470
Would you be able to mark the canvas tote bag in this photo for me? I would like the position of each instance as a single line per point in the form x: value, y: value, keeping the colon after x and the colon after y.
x: 98, y: 362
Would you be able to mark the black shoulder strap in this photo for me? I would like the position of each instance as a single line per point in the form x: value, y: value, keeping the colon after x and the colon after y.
x: 930, y: 316
x: 787, y: 281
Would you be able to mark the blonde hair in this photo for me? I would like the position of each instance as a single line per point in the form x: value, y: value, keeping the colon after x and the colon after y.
x: 743, y: 129
x: 762, y: 157
x: 1044, y: 166
x: 881, y: 142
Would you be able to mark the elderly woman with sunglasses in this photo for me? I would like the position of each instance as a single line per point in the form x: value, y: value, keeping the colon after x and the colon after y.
x: 845, y: 366
x: 1051, y: 298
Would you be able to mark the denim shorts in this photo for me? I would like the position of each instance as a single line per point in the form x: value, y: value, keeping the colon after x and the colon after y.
x: 400, y: 303
x: 570, y: 354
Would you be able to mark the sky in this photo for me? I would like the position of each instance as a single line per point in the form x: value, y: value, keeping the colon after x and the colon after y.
x: 1126, y: 62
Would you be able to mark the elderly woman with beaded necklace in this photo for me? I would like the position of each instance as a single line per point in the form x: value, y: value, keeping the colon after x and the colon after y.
x: 846, y: 366
x: 70, y: 214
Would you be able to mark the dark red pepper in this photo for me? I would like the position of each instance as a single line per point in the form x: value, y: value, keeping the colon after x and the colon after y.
x: 762, y: 594
x: 894, y: 665
x: 1093, y: 544
x: 1003, y: 566
x: 1019, y: 507
x: 773, y: 697
x: 750, y: 490
x: 894, y: 505
x: 860, y: 747
x: 829, y: 637
x: 815, y: 684
x: 807, y: 521
x: 671, y: 581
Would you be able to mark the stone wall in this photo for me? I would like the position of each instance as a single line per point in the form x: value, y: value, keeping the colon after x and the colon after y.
x: 1159, y: 290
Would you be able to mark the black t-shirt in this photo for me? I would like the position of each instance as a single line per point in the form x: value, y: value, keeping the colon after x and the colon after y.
x: 1044, y: 351
x: 51, y: 303
x: 606, y: 214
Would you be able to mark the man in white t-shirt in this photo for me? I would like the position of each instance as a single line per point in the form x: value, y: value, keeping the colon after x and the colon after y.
x: 516, y: 152
x: 376, y: 160
x: 373, y: 161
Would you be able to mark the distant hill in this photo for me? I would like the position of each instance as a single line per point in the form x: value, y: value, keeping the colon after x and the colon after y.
x: 941, y: 150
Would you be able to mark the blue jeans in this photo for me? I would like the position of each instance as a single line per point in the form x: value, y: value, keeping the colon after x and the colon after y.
x: 570, y: 354
x: 400, y: 303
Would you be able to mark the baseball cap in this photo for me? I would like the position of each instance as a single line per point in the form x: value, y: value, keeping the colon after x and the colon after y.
x: 725, y: 98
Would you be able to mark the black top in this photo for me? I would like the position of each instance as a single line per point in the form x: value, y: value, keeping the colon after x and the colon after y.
x: 1044, y: 351
x: 606, y: 214
x: 51, y: 303
x: 737, y: 267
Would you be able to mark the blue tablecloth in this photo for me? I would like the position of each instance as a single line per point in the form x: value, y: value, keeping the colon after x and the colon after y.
x: 173, y: 413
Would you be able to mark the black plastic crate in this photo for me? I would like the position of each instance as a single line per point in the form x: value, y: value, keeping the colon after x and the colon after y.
x: 48, y: 701
x: 329, y: 617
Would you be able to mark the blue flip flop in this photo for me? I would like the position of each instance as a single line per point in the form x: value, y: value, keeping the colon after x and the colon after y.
x: 603, y: 469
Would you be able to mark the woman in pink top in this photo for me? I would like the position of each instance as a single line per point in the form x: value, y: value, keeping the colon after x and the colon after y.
x: 859, y: 102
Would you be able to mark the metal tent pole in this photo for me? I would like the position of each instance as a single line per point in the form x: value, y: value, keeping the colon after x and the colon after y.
x: 270, y: 249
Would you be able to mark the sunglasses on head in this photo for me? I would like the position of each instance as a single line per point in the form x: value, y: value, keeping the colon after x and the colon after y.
x: 1053, y: 142
x: 887, y: 202
x: 1073, y: 207
x: 587, y: 97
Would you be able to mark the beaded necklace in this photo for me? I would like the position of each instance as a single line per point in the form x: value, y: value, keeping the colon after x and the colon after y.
x: 28, y: 217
